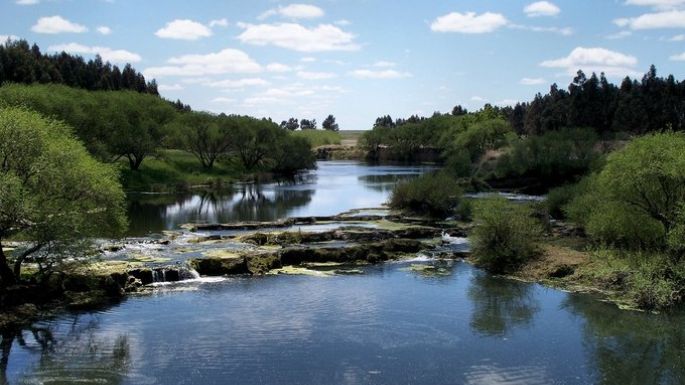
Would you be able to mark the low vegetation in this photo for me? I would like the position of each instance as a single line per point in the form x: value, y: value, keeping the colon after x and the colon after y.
x: 505, y: 236
x: 317, y: 138
x: 430, y: 194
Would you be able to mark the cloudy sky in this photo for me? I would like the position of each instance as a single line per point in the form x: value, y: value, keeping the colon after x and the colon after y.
x: 358, y: 59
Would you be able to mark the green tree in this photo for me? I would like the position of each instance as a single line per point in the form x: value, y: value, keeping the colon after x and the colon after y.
x: 206, y: 136
x: 330, y: 124
x: 53, y: 194
x: 291, y: 124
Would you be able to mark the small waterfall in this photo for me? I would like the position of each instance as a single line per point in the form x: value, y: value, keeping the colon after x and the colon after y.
x: 173, y: 274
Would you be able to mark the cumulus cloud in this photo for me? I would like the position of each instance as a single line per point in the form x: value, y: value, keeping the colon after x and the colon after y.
x: 619, y: 35
x: 237, y: 83
x: 222, y: 62
x: 469, y: 22
x: 680, y: 57
x: 658, y: 4
x: 680, y: 37
x: 315, y: 75
x: 596, y: 59
x: 169, y: 87
x: 27, y: 2
x: 532, y: 81
x: 183, y: 29
x: 104, y: 30
x: 324, y: 37
x: 57, y: 24
x: 294, y: 11
x: 384, y: 64
x: 218, y: 23
x: 541, y: 8
x: 565, y: 31
x: 278, y: 67
x: 107, y: 54
x: 382, y: 74
x: 657, y: 20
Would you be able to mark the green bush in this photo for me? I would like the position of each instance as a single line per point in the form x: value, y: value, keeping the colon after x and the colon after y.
x: 430, y: 194
x: 505, y: 235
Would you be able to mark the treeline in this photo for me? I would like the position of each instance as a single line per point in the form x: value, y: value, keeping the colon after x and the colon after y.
x: 135, y: 126
x: 293, y: 124
x: 23, y: 63
x: 636, y: 106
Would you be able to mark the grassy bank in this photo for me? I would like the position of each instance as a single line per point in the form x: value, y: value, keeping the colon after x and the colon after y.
x: 176, y: 170
x: 319, y: 138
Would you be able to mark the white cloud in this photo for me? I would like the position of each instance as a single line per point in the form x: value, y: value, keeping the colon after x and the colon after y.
x: 57, y: 24
x: 4, y: 38
x: 315, y: 75
x: 382, y: 74
x: 278, y: 67
x: 666, y: 19
x: 384, y: 64
x: 183, y: 30
x: 324, y: 37
x: 532, y: 81
x: 680, y: 37
x: 107, y: 54
x: 218, y: 23
x: 680, y: 57
x: 658, y: 4
x: 308, y: 59
x: 222, y: 62
x: 619, y: 35
x: 541, y: 8
x: 565, y: 31
x: 612, y: 63
x: 478, y: 98
x: 27, y: 2
x: 343, y: 22
x: 170, y: 87
x: 294, y: 11
x: 237, y: 83
x: 469, y: 22
x: 223, y: 100
x: 104, y: 30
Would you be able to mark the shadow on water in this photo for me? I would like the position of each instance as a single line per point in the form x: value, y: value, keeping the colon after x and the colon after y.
x: 500, y: 305
x: 75, y: 355
x: 631, y: 347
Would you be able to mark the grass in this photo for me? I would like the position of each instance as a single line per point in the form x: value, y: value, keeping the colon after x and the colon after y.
x: 319, y: 138
x: 176, y: 170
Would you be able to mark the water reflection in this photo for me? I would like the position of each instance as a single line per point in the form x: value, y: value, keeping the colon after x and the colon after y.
x: 76, y: 355
x: 631, y: 347
x: 335, y: 187
x: 500, y: 305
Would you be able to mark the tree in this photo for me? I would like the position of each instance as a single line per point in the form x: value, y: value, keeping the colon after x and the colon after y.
x: 458, y: 110
x: 291, y: 124
x: 52, y: 193
x: 330, y: 124
x: 307, y: 124
x: 206, y: 136
x: 256, y: 140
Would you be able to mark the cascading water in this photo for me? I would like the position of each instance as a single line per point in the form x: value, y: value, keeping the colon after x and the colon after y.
x: 173, y: 274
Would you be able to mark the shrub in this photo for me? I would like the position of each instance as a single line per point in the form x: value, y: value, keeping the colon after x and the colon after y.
x: 505, y: 235
x: 430, y: 194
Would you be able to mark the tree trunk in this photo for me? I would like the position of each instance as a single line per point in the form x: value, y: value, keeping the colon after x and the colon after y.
x: 5, y: 347
x: 7, y: 278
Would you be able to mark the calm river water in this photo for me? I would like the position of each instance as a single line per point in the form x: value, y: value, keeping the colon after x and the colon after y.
x: 390, y: 325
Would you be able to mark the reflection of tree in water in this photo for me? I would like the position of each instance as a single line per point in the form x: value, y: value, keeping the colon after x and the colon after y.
x: 630, y: 347
x: 384, y: 182
x: 500, y: 304
x: 244, y: 203
x: 78, y: 355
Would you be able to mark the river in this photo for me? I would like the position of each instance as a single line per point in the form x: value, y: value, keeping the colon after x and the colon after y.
x: 390, y: 325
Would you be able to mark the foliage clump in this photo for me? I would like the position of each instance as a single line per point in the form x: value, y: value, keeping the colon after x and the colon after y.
x: 505, y: 235
x: 434, y: 194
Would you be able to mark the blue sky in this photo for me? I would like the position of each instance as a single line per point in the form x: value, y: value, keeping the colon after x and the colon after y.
x: 358, y: 59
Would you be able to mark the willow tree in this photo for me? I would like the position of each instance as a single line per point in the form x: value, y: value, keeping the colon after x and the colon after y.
x: 54, y: 197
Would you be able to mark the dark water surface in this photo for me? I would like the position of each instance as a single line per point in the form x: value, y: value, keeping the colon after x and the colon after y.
x: 390, y: 325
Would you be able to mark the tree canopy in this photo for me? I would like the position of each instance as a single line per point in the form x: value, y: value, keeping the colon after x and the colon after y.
x: 52, y: 192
